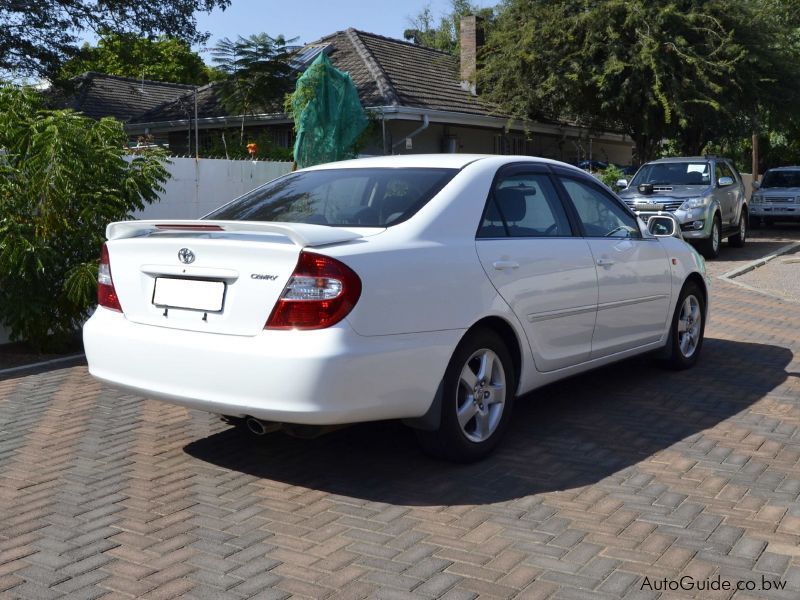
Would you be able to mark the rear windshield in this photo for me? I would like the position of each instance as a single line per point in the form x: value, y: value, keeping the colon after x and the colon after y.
x: 673, y: 173
x: 340, y: 197
x: 781, y: 179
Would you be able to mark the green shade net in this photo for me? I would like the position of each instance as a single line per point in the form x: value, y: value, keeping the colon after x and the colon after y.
x: 328, y: 116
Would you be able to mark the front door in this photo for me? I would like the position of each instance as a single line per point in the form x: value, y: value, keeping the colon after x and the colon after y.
x: 633, y: 273
x: 541, y: 269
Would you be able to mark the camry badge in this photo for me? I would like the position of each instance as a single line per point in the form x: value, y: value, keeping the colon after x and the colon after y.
x: 186, y: 256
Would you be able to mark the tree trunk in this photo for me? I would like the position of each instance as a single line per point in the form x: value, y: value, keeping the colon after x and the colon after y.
x: 645, y: 147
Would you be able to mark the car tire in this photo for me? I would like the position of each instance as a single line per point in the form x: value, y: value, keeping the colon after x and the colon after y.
x: 471, y: 426
x: 737, y: 240
x: 687, y: 328
x: 710, y: 247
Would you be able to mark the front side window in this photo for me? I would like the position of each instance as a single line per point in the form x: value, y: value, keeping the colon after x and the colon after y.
x: 377, y: 197
x: 674, y: 173
x: 524, y: 205
x: 724, y: 170
x: 599, y: 214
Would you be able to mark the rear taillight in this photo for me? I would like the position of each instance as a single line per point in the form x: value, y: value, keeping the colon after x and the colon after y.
x: 320, y: 293
x: 106, y: 294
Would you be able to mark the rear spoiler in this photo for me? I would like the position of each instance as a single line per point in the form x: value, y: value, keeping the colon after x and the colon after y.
x: 301, y: 234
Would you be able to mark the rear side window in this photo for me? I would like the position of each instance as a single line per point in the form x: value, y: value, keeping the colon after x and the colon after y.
x: 524, y: 205
x: 340, y: 197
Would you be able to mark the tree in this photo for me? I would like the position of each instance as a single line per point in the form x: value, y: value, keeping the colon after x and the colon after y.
x: 445, y: 35
x: 257, y: 73
x: 129, y: 55
x: 654, y: 69
x: 36, y: 38
x: 765, y: 89
x: 63, y: 178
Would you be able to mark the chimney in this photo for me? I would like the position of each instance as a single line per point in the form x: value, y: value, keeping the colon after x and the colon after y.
x: 471, y: 36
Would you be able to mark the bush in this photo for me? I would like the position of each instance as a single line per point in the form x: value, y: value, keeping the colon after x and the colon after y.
x: 63, y: 177
x: 611, y: 175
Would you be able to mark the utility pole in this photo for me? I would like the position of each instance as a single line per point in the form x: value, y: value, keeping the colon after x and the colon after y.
x: 196, y: 131
x: 755, y: 155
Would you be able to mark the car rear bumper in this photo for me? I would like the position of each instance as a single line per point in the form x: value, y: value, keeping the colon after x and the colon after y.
x: 322, y: 377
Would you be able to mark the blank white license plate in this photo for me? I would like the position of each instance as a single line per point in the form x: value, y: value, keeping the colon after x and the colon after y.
x: 649, y: 206
x: 193, y: 294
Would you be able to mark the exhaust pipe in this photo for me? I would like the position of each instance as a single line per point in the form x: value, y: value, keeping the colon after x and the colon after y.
x: 259, y: 427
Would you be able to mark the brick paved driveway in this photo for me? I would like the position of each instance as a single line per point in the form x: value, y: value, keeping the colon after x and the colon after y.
x: 606, y: 479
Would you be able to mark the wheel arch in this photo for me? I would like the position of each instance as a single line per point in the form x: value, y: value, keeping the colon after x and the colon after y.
x: 697, y: 278
x: 506, y: 332
x: 431, y: 419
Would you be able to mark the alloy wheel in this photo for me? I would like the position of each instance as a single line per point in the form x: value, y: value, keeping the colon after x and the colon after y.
x: 715, y: 237
x: 481, y: 395
x: 689, y: 326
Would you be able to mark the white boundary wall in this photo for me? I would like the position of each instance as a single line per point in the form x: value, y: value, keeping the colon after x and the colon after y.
x: 198, y: 186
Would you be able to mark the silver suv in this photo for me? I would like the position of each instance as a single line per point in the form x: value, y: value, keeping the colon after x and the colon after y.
x: 777, y: 197
x: 704, y: 193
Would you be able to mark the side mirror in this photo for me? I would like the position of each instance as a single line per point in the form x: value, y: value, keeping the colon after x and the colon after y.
x: 622, y: 183
x: 663, y: 226
x: 756, y: 185
x: 723, y: 181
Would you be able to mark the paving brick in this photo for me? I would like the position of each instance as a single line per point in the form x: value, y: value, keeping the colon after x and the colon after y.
x: 596, y: 486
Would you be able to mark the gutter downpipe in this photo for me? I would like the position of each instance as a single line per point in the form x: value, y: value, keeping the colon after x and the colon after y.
x: 383, y: 129
x: 425, y: 122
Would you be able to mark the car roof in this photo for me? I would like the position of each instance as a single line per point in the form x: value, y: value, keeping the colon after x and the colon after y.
x: 787, y: 168
x: 442, y: 161
x: 672, y: 159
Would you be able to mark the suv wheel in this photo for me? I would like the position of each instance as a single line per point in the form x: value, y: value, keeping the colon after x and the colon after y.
x: 478, y: 395
x: 688, y: 328
x: 738, y: 240
x: 710, y: 247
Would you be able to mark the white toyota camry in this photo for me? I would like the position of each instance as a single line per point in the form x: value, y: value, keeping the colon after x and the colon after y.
x: 429, y: 288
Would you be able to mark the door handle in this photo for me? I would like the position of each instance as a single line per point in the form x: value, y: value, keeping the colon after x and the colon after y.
x: 501, y: 265
x: 605, y: 262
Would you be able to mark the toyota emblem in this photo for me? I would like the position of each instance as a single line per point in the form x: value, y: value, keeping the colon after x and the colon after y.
x: 186, y: 256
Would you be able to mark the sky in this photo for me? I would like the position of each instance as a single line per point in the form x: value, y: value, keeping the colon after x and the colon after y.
x: 310, y: 20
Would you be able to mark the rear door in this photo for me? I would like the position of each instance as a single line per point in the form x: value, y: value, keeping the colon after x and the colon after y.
x: 632, y: 271
x: 527, y: 247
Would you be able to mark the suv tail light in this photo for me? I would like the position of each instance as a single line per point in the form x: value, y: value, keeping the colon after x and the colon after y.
x: 320, y: 293
x: 106, y: 294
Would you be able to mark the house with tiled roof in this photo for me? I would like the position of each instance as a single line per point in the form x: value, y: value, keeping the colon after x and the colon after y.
x: 99, y: 95
x: 423, y: 99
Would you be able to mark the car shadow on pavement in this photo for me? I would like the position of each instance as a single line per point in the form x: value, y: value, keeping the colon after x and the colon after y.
x: 567, y: 435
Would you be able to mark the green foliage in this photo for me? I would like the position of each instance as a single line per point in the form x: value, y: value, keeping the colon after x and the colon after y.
x: 444, y: 36
x: 229, y: 143
x: 62, y: 179
x: 129, y: 55
x: 256, y: 72
x: 653, y: 68
x: 36, y: 38
x: 610, y: 175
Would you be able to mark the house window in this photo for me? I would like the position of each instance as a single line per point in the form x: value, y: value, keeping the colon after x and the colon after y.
x: 510, y: 143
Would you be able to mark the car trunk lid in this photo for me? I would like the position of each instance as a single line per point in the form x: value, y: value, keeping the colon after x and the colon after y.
x: 220, y: 277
